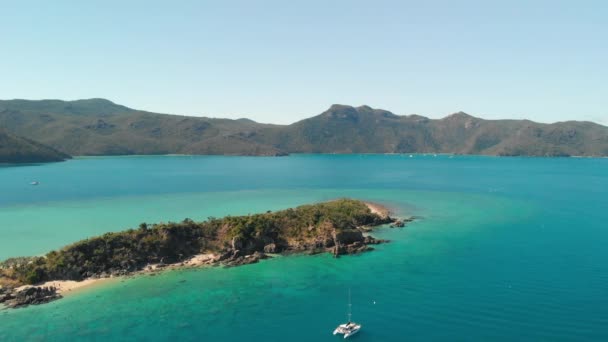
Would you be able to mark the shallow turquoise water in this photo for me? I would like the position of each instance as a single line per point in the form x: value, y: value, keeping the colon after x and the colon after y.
x: 508, y: 249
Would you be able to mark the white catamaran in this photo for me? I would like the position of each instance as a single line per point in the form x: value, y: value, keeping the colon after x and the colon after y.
x: 350, y: 328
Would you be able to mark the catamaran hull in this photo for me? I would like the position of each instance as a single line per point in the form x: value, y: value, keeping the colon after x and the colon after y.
x: 351, y: 333
x: 345, y: 331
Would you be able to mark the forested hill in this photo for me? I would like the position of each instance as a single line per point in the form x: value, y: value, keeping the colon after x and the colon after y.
x: 100, y: 127
x: 346, y: 129
x: 14, y: 149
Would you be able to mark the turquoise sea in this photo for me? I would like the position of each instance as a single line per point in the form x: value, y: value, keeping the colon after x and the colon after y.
x: 507, y: 249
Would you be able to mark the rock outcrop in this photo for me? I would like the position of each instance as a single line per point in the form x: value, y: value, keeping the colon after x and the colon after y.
x: 13, y: 298
x: 238, y: 260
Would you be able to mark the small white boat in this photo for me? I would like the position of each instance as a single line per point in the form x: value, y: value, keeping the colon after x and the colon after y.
x: 34, y: 183
x: 350, y: 328
x: 347, y: 329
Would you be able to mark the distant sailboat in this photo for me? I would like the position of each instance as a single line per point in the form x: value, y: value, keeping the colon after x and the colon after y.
x: 34, y: 183
x: 350, y: 328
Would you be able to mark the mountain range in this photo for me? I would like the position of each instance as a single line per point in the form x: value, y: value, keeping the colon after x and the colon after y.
x: 101, y: 127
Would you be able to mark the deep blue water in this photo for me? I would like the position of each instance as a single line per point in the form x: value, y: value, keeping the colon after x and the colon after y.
x: 507, y: 248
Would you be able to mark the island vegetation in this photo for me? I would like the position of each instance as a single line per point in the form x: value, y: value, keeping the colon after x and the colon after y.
x: 337, y: 227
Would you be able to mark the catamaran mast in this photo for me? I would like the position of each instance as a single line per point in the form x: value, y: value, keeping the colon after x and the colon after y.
x: 350, y: 307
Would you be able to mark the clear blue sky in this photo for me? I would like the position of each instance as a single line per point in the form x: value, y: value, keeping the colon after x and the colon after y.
x: 281, y: 61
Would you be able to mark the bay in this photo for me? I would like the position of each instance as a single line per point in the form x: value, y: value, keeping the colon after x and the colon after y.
x: 506, y: 248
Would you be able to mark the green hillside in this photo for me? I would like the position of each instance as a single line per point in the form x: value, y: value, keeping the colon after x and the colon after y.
x: 346, y: 129
x: 100, y: 127
x: 14, y: 149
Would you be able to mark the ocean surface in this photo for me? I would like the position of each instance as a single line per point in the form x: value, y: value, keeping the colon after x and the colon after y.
x: 507, y: 249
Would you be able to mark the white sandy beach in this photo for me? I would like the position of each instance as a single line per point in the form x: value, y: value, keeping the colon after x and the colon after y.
x: 66, y: 287
x: 378, y: 209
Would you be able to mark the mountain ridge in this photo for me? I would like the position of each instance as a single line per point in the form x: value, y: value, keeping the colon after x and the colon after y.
x: 101, y: 127
x: 15, y: 149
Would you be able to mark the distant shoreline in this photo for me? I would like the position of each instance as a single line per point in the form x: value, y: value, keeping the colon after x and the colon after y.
x: 330, y: 154
x: 405, y: 155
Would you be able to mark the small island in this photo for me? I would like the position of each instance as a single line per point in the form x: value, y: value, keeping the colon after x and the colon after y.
x: 336, y: 227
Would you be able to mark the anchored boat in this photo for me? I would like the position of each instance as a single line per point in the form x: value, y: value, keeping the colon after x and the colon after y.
x: 350, y: 328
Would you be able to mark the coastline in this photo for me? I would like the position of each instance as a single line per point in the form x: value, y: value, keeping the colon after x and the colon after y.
x: 69, y: 287
x: 378, y: 209
x: 344, y: 242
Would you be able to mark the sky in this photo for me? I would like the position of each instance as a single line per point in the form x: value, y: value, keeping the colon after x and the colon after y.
x: 282, y: 61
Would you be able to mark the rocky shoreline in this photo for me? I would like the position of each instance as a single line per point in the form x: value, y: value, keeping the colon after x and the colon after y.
x: 12, y: 298
x: 237, y: 253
